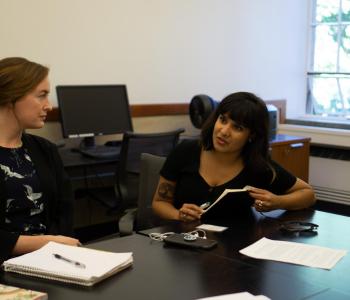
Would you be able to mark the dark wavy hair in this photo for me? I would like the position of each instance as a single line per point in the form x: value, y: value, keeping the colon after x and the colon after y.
x: 250, y: 111
x: 18, y: 77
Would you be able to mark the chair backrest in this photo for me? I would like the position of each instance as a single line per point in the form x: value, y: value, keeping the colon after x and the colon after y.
x: 149, y: 177
x: 133, y: 145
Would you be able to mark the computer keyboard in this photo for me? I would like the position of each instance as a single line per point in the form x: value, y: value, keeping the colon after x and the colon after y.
x: 101, y: 152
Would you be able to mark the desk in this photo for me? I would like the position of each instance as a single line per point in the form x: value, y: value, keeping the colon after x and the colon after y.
x: 79, y: 166
x: 332, y: 232
x: 86, y: 172
x: 175, y: 273
x: 292, y: 153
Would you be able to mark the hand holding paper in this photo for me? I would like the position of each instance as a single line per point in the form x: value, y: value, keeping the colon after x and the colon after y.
x: 223, y: 194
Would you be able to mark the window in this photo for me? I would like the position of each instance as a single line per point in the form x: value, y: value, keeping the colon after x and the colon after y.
x: 329, y: 74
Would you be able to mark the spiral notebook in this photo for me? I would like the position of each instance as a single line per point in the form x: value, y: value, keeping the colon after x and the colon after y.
x: 69, y: 264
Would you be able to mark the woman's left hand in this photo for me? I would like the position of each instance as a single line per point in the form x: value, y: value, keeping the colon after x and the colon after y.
x: 190, y: 212
x: 264, y: 200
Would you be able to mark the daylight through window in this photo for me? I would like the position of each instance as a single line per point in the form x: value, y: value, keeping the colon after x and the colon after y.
x: 329, y: 74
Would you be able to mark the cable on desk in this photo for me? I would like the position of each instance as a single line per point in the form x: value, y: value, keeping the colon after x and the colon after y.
x: 161, y: 236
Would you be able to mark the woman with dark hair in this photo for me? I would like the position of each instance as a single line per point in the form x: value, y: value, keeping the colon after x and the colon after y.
x: 231, y: 154
x: 35, y: 195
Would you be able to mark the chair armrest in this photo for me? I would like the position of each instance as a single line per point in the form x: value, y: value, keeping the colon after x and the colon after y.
x: 126, y: 222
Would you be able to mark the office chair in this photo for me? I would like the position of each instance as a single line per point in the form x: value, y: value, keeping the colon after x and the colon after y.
x: 142, y: 217
x: 124, y: 194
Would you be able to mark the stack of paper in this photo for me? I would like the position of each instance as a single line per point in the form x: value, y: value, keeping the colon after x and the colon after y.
x: 69, y: 264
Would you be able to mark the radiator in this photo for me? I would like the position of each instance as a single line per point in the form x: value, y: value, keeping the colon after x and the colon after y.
x: 329, y: 169
x: 332, y: 195
x: 330, y: 179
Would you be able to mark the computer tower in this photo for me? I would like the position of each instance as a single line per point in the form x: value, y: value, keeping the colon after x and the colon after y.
x: 272, y: 121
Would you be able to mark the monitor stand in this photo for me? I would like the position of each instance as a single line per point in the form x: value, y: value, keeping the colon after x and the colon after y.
x: 90, y: 149
x: 88, y: 142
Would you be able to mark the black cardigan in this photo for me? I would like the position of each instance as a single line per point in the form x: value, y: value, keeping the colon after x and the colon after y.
x: 55, y: 185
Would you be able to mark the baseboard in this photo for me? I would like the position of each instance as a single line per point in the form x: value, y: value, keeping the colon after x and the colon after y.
x: 335, y: 208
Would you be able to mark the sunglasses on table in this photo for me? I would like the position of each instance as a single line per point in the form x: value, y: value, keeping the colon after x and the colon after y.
x: 297, y: 226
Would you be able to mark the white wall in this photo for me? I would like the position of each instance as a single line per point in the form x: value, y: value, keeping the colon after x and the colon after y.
x: 165, y: 50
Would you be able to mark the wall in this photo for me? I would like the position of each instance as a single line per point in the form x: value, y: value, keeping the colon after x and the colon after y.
x: 52, y: 130
x: 165, y: 50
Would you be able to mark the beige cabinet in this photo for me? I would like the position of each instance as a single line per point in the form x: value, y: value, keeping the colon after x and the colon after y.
x: 292, y: 153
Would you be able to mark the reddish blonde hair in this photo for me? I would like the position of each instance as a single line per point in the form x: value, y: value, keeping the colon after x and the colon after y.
x: 18, y: 77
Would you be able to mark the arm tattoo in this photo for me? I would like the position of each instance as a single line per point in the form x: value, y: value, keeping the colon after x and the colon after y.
x: 166, y: 191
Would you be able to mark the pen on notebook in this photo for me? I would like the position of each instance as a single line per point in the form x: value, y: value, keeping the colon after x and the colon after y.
x: 73, y: 262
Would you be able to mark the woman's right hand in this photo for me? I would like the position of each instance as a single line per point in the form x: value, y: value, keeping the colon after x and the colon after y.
x: 190, y: 212
x: 29, y: 243
x: 64, y: 240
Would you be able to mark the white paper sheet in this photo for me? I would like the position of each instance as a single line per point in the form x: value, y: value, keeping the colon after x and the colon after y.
x: 210, y: 227
x: 296, y: 253
x: 97, y: 262
x: 237, y: 296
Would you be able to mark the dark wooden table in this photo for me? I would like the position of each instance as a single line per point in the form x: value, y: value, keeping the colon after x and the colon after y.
x: 332, y: 232
x: 164, y: 272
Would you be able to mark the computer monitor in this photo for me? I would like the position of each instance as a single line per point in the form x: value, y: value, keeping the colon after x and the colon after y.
x: 90, y: 110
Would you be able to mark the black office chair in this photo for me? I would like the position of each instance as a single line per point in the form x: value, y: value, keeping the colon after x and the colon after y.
x: 143, y: 217
x: 125, y: 192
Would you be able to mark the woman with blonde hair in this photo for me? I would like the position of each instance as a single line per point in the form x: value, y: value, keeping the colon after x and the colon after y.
x: 35, y: 194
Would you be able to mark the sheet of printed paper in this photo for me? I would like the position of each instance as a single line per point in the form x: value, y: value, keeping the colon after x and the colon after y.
x: 296, y: 253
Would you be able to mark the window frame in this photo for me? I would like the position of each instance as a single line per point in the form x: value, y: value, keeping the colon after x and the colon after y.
x: 312, y: 73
